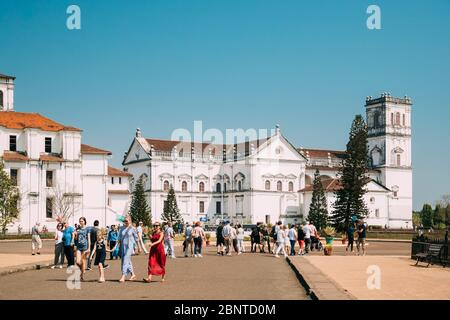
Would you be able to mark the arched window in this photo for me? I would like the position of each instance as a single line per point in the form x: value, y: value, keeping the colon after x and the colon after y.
x: 267, y: 185
x: 392, y: 118
x: 404, y: 120
x: 291, y: 186
x: 218, y: 187
x: 398, y: 160
x: 279, y: 186
x: 201, y: 187
x: 166, y: 185
x: 225, y: 187
x: 239, y: 185
x: 1, y: 99
x: 397, y: 118
x: 184, y: 186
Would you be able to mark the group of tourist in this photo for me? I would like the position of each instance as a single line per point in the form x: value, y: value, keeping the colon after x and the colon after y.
x: 83, y: 244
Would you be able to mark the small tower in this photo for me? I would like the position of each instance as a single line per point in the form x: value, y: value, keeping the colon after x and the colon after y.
x: 389, y: 147
x: 6, y: 93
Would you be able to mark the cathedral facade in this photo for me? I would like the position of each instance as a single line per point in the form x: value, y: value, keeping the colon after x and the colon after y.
x: 266, y: 180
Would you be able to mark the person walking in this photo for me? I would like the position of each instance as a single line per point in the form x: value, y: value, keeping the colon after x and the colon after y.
x: 301, y: 240
x: 281, y: 236
x: 220, y: 241
x: 128, y: 238
x: 189, y: 240
x: 169, y: 246
x: 255, y: 238
x: 361, y: 242
x: 287, y: 243
x: 314, y: 237
x: 265, y: 234
x: 307, y: 237
x: 199, y: 236
x: 157, y: 256
x: 233, y: 238
x: 350, y: 237
x: 140, y: 232
x: 240, y: 239
x: 36, y: 242
x: 113, y: 236
x: 100, y: 249
x: 93, y: 236
x: 226, y: 233
x: 83, y: 246
x: 274, y: 235
x: 292, y: 236
x: 59, y: 247
x: 68, y: 241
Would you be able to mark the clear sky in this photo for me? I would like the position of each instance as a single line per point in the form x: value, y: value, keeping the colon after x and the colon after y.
x: 161, y: 64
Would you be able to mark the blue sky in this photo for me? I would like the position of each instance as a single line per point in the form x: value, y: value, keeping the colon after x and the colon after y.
x: 161, y: 64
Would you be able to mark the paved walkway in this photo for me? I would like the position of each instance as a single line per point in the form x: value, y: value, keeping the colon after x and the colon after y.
x: 245, y: 277
x: 399, y: 278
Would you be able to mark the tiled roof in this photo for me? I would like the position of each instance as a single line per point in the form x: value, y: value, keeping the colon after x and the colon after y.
x: 119, y: 192
x: 329, y: 185
x: 216, y: 149
x: 14, y: 156
x: 117, y: 172
x: 50, y: 158
x: 320, y: 153
x: 87, y: 149
x: 7, y: 77
x: 23, y: 120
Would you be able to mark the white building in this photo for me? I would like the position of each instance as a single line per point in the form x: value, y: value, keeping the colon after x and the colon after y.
x: 268, y: 180
x: 54, y: 170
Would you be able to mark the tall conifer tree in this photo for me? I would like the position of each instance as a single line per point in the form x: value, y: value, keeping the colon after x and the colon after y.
x: 171, y: 212
x: 318, y: 209
x: 139, y: 208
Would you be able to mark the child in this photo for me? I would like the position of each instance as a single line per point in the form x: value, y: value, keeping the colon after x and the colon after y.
x: 100, y: 248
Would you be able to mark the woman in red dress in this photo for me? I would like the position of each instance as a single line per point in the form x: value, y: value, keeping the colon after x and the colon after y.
x: 157, y: 256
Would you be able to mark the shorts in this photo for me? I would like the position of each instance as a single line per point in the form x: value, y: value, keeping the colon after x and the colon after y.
x: 301, y: 243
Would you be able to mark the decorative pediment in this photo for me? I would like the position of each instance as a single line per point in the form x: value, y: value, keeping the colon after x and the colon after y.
x: 201, y: 177
x: 280, y: 176
x: 239, y: 176
x: 376, y: 149
x: 166, y: 175
x: 184, y: 176
x: 268, y: 176
x: 291, y: 176
x: 217, y: 177
x: 398, y: 150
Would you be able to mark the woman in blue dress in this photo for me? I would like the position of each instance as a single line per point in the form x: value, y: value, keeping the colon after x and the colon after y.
x: 128, y: 238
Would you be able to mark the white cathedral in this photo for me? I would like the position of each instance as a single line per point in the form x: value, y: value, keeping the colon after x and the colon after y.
x: 266, y: 180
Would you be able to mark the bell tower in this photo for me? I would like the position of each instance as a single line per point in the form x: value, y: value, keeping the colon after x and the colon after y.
x: 389, y: 147
x: 6, y: 93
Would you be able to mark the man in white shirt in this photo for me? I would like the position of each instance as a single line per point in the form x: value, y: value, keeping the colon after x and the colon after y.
x: 169, y: 236
x: 307, y: 232
x: 189, y: 241
x: 226, y: 233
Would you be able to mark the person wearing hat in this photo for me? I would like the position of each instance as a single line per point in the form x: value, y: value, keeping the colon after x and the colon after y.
x: 36, y: 241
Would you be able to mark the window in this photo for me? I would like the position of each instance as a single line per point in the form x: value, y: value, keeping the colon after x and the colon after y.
x: 239, y: 185
x: 112, y: 180
x: 49, y: 208
x: 14, y: 174
x: 377, y: 213
x: 392, y: 118
x: 267, y: 185
x: 218, y: 187
x: 224, y: 187
x: 120, y: 180
x: 404, y: 120
x: 184, y: 186
x: 49, y: 179
x: 397, y: 118
x: 291, y: 186
x: 279, y: 186
x: 12, y: 143
x: 201, y: 206
x: 201, y: 187
x: 109, y: 201
x: 218, y: 207
x: 372, y: 200
x: 1, y: 99
x: 166, y: 185
x: 48, y: 145
x: 398, y: 160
